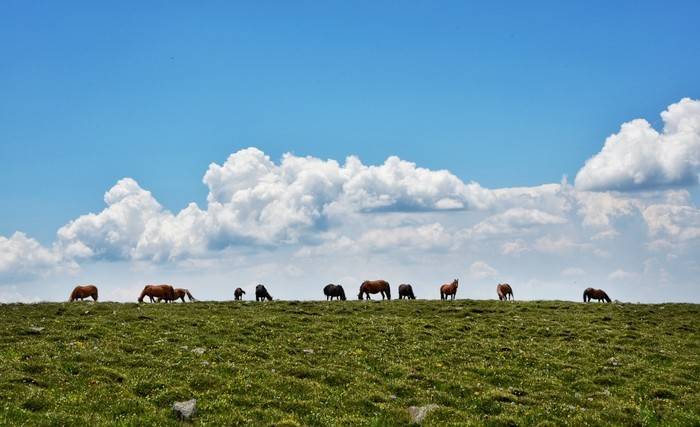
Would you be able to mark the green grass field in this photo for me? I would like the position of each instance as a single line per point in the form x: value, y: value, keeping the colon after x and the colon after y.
x: 351, y: 363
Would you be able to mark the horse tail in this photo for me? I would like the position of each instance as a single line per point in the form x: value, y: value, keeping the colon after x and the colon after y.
x: 95, y: 295
x: 171, y: 293
x: 189, y: 295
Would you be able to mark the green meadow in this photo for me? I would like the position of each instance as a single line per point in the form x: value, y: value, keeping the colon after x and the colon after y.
x: 351, y: 363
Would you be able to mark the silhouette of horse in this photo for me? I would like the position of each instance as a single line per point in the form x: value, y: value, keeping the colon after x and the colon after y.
x: 238, y: 294
x: 165, y: 292
x: 375, y: 287
x: 180, y: 293
x: 334, y: 291
x: 449, y: 289
x: 406, y: 291
x: 596, y: 294
x: 261, y: 293
x: 82, y: 292
x: 504, y: 291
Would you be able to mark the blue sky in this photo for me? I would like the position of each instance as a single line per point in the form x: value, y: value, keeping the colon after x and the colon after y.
x: 504, y: 94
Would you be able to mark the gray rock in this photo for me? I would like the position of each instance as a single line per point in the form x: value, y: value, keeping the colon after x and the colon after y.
x: 613, y: 362
x: 185, y: 410
x: 199, y: 350
x: 308, y: 351
x: 418, y: 413
x: 36, y: 329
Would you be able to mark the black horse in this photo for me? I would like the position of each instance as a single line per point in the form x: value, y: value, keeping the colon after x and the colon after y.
x: 261, y: 293
x: 406, y: 291
x: 238, y: 294
x: 334, y: 291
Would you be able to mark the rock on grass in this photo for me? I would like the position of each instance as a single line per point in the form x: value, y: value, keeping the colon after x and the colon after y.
x: 185, y: 410
x: 418, y: 413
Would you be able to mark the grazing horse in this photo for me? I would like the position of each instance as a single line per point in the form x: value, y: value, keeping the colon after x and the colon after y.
x: 375, y: 287
x: 334, y: 291
x: 180, y: 293
x: 504, y: 291
x: 596, y: 294
x: 238, y: 294
x: 261, y: 293
x: 82, y: 292
x: 406, y: 291
x: 449, y: 289
x: 165, y: 292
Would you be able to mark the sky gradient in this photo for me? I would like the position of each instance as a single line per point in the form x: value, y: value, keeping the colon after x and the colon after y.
x: 505, y: 95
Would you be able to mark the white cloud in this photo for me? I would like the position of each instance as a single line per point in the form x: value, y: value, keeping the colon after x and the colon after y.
x: 117, y: 230
x: 515, y: 247
x: 481, y: 270
x: 598, y: 209
x: 515, y: 220
x: 23, y: 258
x: 676, y: 222
x: 621, y: 274
x: 639, y: 157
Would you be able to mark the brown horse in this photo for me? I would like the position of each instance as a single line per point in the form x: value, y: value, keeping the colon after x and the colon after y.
x: 449, y: 289
x: 375, y: 287
x: 165, y: 292
x: 238, y: 294
x: 406, y: 291
x: 504, y: 291
x: 82, y: 292
x: 180, y: 293
x: 596, y: 294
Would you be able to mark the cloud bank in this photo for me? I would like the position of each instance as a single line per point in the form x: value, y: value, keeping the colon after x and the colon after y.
x: 302, y: 214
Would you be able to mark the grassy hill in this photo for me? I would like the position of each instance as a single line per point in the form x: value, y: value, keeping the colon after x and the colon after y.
x: 351, y: 363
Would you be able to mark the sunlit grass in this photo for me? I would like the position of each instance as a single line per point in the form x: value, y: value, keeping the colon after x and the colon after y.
x: 351, y: 363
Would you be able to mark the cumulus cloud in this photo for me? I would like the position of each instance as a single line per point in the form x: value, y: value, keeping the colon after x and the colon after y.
x: 676, y: 222
x: 310, y: 207
x: 639, y: 157
x: 599, y: 209
x: 515, y: 220
x: 481, y: 270
x: 515, y: 247
x: 23, y: 258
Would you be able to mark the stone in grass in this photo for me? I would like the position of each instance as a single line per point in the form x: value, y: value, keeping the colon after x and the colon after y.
x: 198, y: 350
x: 418, y: 413
x: 613, y: 362
x: 185, y: 410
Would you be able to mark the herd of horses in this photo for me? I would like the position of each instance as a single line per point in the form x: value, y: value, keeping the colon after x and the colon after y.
x: 167, y: 293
